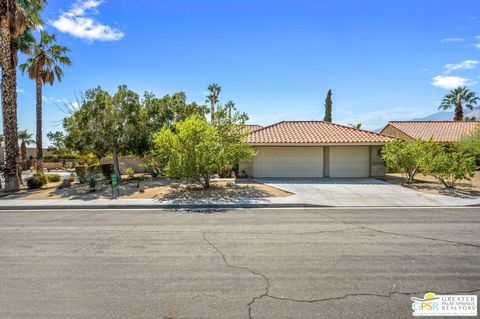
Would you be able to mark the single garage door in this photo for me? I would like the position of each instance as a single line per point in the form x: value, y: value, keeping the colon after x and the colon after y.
x: 288, y: 162
x: 349, y: 161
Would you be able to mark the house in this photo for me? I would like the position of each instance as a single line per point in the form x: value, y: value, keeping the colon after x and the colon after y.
x: 31, y: 153
x: 314, y: 149
x: 439, y: 131
x: 250, y: 128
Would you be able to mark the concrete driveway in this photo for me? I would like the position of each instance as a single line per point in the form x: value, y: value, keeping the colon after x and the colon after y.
x: 361, y: 192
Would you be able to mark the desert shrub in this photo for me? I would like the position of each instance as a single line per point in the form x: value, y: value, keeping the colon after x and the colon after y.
x: 195, y: 149
x: 129, y: 171
x: 106, y: 170
x: 225, y: 171
x: 450, y: 167
x: 53, y: 178
x: 407, y: 158
x: 152, y: 167
x: 91, y: 178
x: 81, y: 172
x: 36, y: 181
x: 65, y: 184
x: 71, y: 178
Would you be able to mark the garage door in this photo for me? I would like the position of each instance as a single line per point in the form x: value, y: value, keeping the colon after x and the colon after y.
x: 349, y: 161
x: 288, y: 162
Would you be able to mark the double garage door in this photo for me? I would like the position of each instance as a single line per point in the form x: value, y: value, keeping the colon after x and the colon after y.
x: 310, y: 162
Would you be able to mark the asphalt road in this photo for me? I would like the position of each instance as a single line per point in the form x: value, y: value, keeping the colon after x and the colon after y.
x: 282, y: 263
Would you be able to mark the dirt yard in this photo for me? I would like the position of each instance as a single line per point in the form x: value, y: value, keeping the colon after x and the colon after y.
x: 428, y: 184
x: 154, y: 188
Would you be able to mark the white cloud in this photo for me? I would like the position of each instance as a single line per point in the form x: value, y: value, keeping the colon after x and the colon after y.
x: 449, y: 40
x: 52, y: 100
x: 20, y: 90
x: 450, y: 81
x: 464, y: 65
x: 477, y: 45
x: 79, y: 23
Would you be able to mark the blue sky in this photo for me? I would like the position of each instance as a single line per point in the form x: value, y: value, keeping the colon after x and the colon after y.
x: 384, y: 60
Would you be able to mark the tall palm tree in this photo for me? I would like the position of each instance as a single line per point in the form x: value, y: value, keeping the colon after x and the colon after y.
x: 43, y: 66
x: 230, y: 106
x: 25, y: 139
x: 459, y: 98
x: 212, y: 97
x: 15, y: 17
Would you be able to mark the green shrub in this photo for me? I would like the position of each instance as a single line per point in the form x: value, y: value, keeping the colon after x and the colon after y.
x: 152, y: 167
x: 36, y: 181
x: 406, y: 158
x: 53, y: 178
x: 81, y: 172
x: 106, y: 170
x: 92, y: 180
x: 450, y: 167
x: 129, y: 171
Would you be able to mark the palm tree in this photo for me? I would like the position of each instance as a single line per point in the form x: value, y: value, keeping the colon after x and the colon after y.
x: 230, y: 106
x: 43, y: 66
x: 212, y: 97
x: 25, y: 139
x: 15, y: 17
x: 459, y: 98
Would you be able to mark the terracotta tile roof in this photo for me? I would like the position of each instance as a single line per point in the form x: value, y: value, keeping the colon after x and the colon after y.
x: 440, y: 131
x: 250, y: 128
x: 313, y: 132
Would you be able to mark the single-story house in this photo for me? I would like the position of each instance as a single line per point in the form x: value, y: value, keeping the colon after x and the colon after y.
x: 314, y: 149
x: 439, y: 131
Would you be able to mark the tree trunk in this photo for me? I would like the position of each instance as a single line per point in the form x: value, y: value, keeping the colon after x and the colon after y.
x: 116, y: 164
x: 39, y: 126
x: 23, y: 151
x: 212, y: 112
x: 458, y: 113
x: 8, y: 108
x: 206, y: 179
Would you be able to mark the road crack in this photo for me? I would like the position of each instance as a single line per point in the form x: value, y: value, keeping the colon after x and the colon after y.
x: 453, y: 242
x: 253, y: 272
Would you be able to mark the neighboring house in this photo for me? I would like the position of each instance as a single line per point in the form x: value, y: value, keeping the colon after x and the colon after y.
x: 250, y: 128
x: 314, y: 149
x: 31, y: 152
x: 439, y: 131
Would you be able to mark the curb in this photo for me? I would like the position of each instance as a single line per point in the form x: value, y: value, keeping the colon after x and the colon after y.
x: 159, y: 206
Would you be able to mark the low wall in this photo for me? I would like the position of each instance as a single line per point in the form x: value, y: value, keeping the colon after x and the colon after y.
x: 127, y: 161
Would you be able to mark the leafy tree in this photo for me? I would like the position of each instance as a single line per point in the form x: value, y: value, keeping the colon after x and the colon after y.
x: 470, y: 144
x: 195, y: 149
x: 108, y: 124
x: 212, y: 97
x: 328, y: 107
x: 25, y: 139
x: 450, y: 167
x: 15, y: 18
x: 230, y: 124
x: 407, y: 158
x: 459, y: 98
x: 164, y: 111
x: 43, y: 66
x: 58, y: 146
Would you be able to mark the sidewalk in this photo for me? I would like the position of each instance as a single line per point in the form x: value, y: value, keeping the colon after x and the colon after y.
x: 19, y: 204
x: 294, y: 201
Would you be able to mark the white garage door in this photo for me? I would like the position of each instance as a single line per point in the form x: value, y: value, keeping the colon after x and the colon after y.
x: 349, y: 161
x: 288, y: 162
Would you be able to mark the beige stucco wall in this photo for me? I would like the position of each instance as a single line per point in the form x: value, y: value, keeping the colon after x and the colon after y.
x: 127, y: 161
x: 377, y: 165
x: 376, y: 161
x: 393, y: 131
